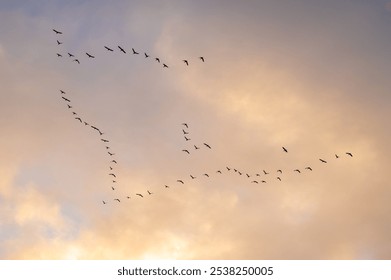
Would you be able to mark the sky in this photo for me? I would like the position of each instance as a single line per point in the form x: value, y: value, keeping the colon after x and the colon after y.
x: 310, y: 76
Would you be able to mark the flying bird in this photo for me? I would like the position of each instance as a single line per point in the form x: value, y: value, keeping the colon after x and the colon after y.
x: 279, y: 170
x: 112, y: 174
x: 196, y: 147
x: 76, y: 60
x: 336, y: 156
x: 66, y: 99
x: 186, y: 151
x: 322, y: 160
x: 202, y: 58
x: 349, y: 154
x: 165, y: 65
x: 117, y: 199
x: 121, y: 49
x: 240, y: 173
x: 149, y: 192
x: 104, y: 202
x: 86, y: 123
x: 107, y: 48
x: 111, y: 154
x: 58, y: 42
x: 74, y: 113
x: 114, y: 161
x: 180, y: 181
x: 104, y: 140
x: 59, y: 55
x: 263, y: 181
x: 185, y: 61
x: 248, y: 176
x: 128, y: 197
x: 134, y: 52
x: 157, y: 59
x: 166, y: 186
x: 185, y: 124
x: 90, y: 56
x: 139, y: 194
x: 113, y: 188
x: 193, y: 177
x: 219, y: 171
x: 206, y: 175
x: 285, y: 150
x: 146, y: 55
x: 207, y: 146
x: 278, y: 178
x: 57, y: 32
x: 62, y: 92
x: 69, y: 106
x: 79, y: 119
x: 255, y: 182
x: 184, y: 131
x: 70, y: 55
x: 297, y: 170
x: 187, y: 139
x: 228, y: 168
x: 264, y: 172
x: 309, y: 168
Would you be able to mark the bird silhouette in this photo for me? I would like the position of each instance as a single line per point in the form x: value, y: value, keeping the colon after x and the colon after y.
x: 59, y: 55
x: 166, y: 186
x: 180, y: 181
x: 248, y: 176
x: 165, y: 65
x: 110, y: 168
x: 202, y: 58
x: 157, y: 59
x: 112, y: 174
x: 309, y: 168
x: 240, y: 173
x: 74, y: 113
x: 121, y: 49
x: 90, y: 56
x: 349, y: 154
x: 279, y: 170
x: 278, y: 178
x: 58, y: 42
x: 256, y: 182
x: 134, y: 52
x: 69, y: 106
x: 206, y: 175
x: 187, y: 139
x: 79, y: 119
x: 184, y: 131
x: 117, y: 199
x: 186, y: 151
x: 228, y: 168
x: 336, y: 156
x: 128, y: 197
x: 114, y: 181
x: 86, y: 123
x: 62, y: 92
x: 219, y: 171
x: 146, y: 55
x: 111, y: 154
x: 264, y: 172
x: 113, y: 188
x: 149, y: 192
x: 263, y: 181
x: 196, y: 147
x: 107, y: 48
x: 76, y: 60
x: 104, y: 202
x: 70, y: 55
x: 66, y: 99
x: 57, y: 32
x: 193, y: 177
x: 104, y: 140
x: 185, y: 124
x: 258, y: 174
x: 297, y: 170
x: 114, y: 161
x: 139, y: 194
x: 207, y: 146
x: 322, y: 160
x: 285, y: 150
x: 185, y: 61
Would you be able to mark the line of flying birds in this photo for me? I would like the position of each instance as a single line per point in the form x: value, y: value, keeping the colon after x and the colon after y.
x: 185, y: 129
x: 118, y: 48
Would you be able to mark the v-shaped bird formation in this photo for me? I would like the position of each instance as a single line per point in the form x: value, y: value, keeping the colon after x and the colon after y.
x: 263, y: 176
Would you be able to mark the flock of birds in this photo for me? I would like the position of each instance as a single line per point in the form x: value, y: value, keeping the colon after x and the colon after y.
x: 263, y: 177
x: 111, y: 49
